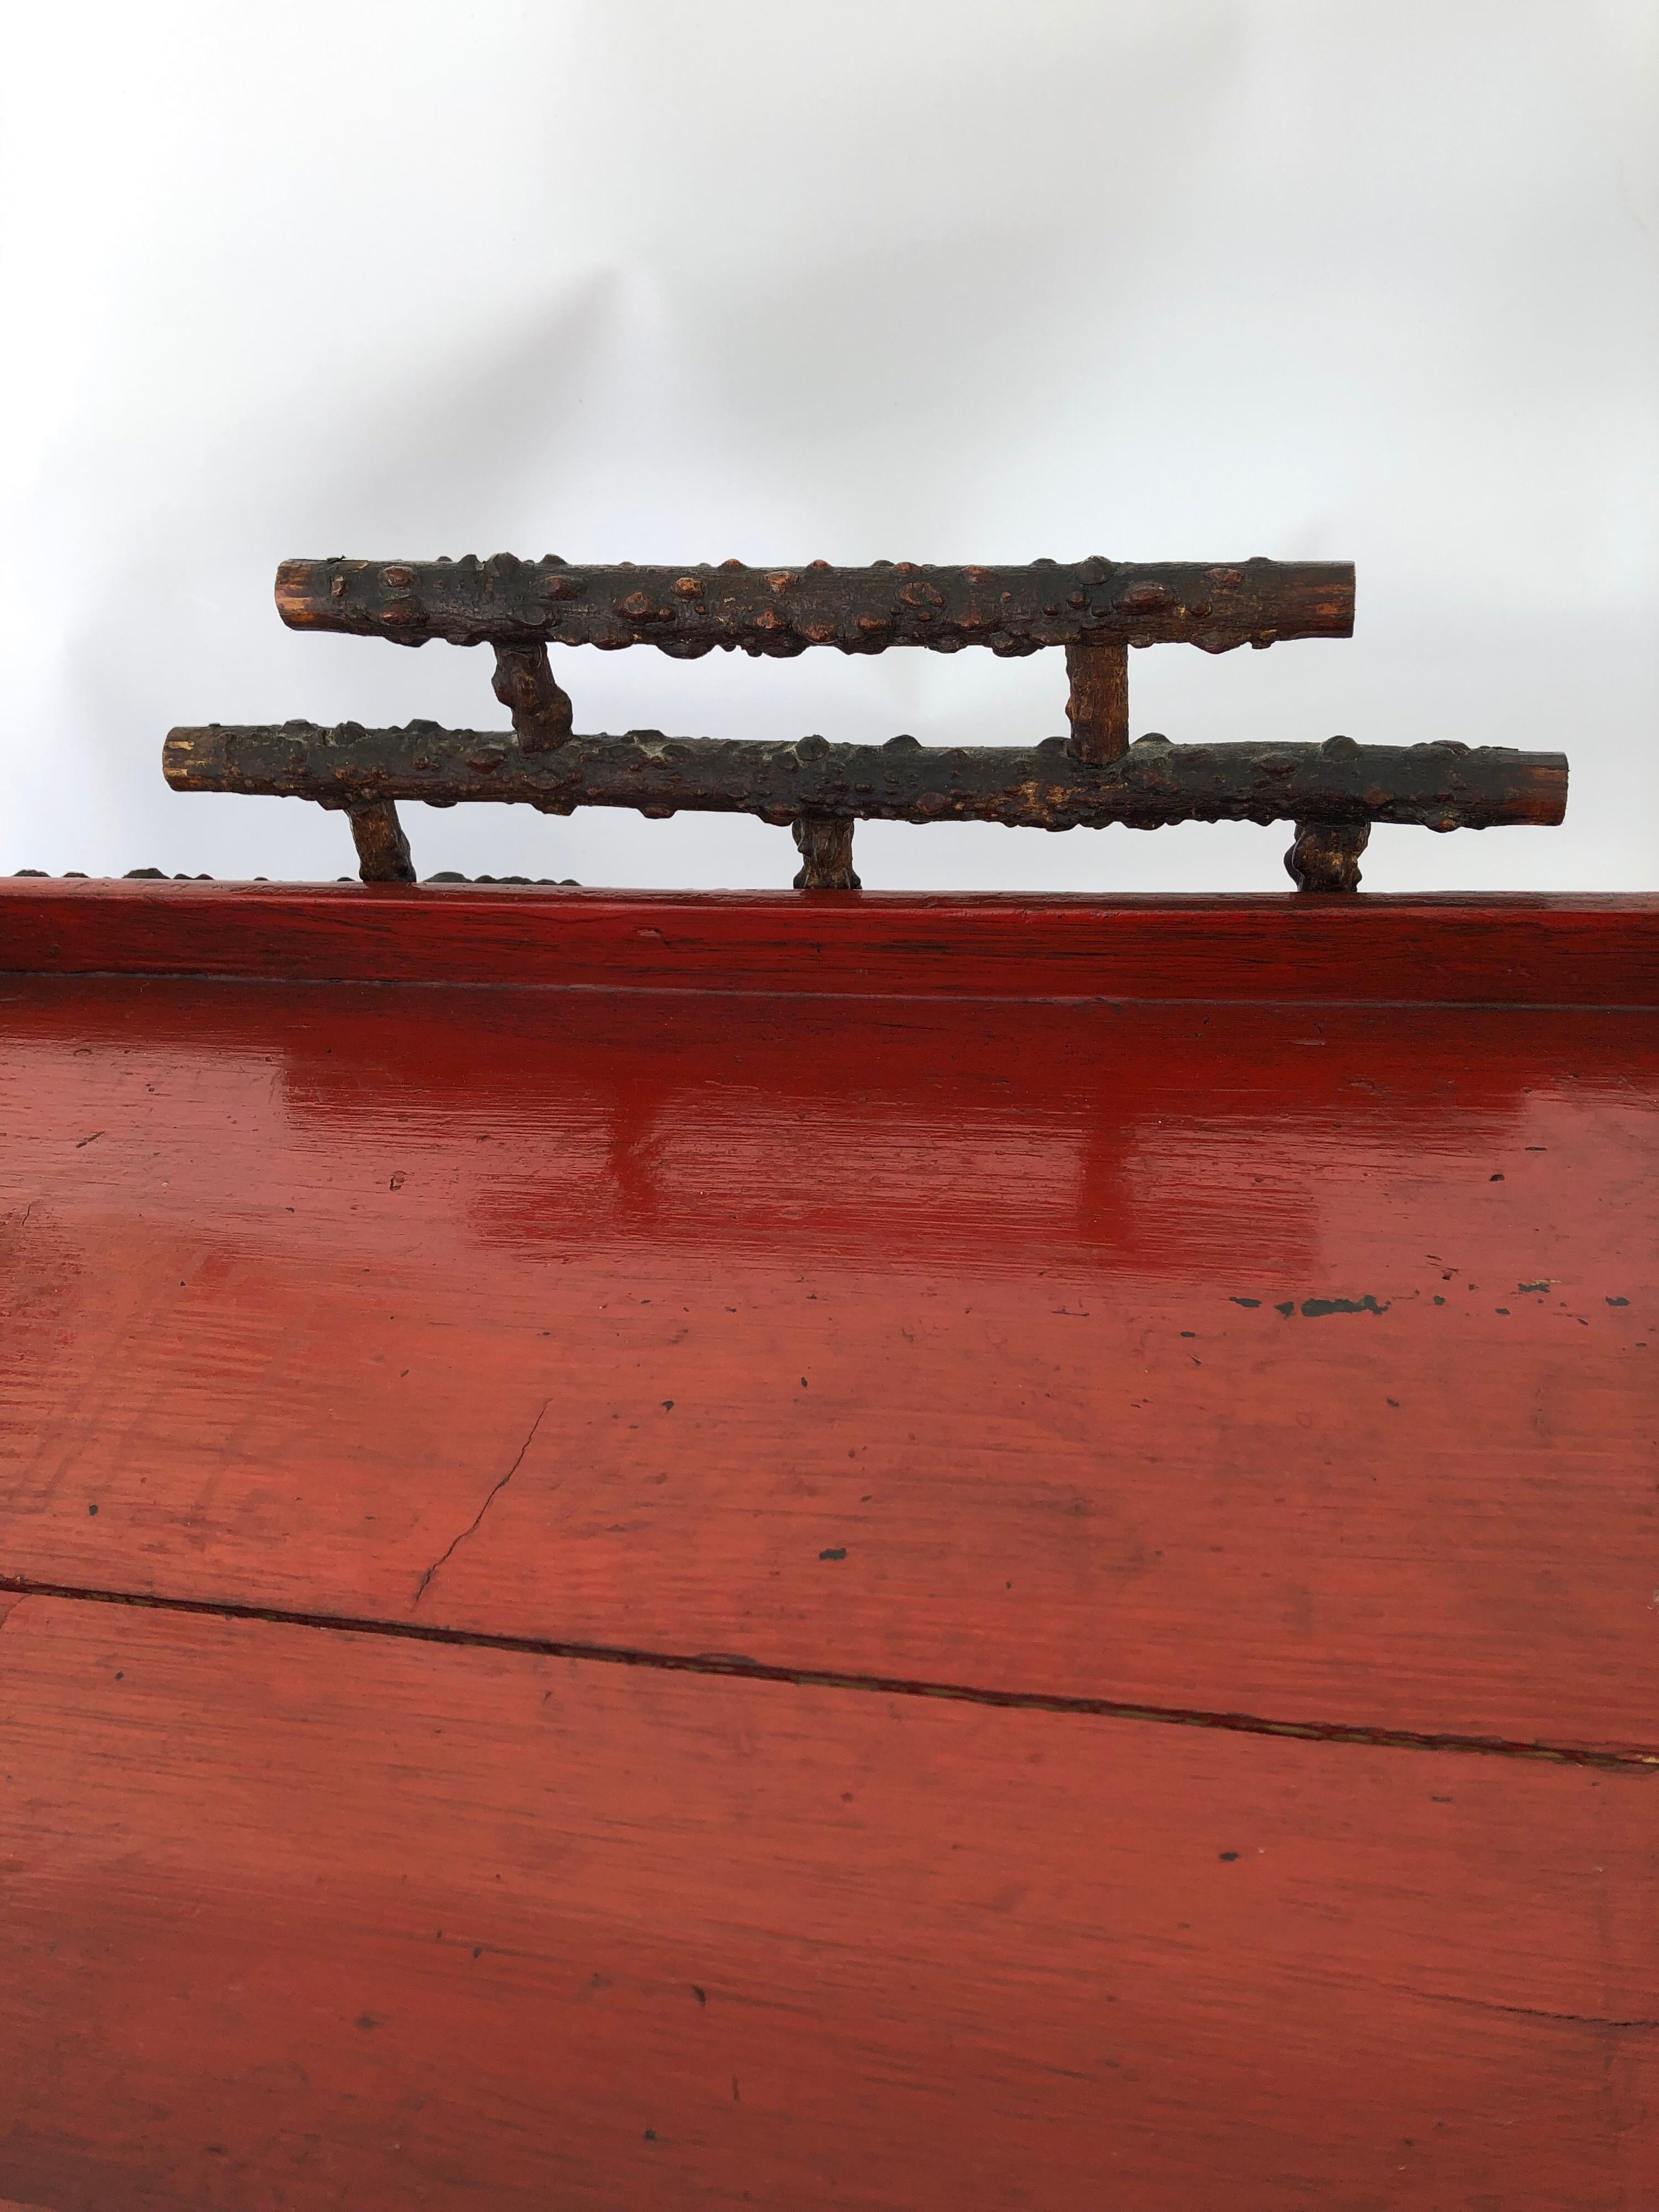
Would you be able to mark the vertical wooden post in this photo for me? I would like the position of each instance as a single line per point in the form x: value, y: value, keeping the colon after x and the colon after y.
x: 826, y: 853
x: 523, y: 683
x: 1098, y: 707
x: 382, y: 847
x: 1326, y: 856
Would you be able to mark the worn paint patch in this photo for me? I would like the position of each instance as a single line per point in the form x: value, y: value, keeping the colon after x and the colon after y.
x: 1315, y: 1309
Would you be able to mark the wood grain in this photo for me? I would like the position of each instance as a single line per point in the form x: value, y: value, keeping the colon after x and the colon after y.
x: 932, y: 1341
x: 303, y: 1919
x: 1169, y: 1304
x: 1480, y: 951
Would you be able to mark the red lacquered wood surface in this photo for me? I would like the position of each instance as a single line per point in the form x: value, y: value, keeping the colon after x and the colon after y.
x: 295, y: 1918
x: 298, y: 1276
x: 829, y: 1344
x: 1490, y: 951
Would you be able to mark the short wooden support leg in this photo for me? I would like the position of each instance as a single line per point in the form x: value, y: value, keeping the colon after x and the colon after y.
x: 826, y: 852
x: 382, y: 847
x: 1326, y: 856
x: 523, y: 683
x: 1099, y: 707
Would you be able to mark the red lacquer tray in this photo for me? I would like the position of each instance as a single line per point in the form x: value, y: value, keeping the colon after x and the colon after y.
x: 827, y: 1551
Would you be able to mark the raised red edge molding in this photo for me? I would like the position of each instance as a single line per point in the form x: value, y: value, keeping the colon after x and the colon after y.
x: 1491, y: 949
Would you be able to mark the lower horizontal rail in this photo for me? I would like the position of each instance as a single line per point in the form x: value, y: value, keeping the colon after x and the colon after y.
x: 1442, y: 786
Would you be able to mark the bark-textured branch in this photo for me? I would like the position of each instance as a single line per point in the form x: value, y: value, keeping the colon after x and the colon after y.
x: 382, y: 855
x: 782, y: 610
x: 1097, y: 707
x: 523, y: 683
x: 825, y: 846
x: 1325, y: 856
x: 1443, y: 786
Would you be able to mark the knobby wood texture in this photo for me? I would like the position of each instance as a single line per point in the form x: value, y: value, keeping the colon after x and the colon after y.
x: 1443, y: 786
x: 1325, y: 857
x: 826, y: 855
x: 783, y: 610
x: 1095, y: 610
x: 298, y: 1918
x: 1249, y: 1363
x: 523, y: 683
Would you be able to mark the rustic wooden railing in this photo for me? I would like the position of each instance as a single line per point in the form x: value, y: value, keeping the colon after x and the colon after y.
x: 1094, y: 610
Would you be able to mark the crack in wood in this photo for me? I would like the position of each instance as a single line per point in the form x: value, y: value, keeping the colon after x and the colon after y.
x: 444, y: 1557
x: 1528, y: 2012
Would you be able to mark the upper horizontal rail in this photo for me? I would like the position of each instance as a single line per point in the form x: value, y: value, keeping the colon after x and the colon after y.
x: 780, y: 610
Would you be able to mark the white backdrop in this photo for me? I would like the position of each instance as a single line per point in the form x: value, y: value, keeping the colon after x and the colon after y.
x: 937, y: 280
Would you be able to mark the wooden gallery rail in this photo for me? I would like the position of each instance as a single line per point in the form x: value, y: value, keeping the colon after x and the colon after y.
x: 1095, y: 610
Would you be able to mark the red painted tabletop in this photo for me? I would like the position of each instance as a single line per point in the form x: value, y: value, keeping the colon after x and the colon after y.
x: 828, y: 1551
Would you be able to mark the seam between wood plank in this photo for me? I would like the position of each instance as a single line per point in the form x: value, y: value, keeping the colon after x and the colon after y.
x: 1631, y: 1759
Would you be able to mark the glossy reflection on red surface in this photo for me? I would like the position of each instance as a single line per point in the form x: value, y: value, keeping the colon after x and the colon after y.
x: 1293, y: 1361
x: 987, y: 1298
